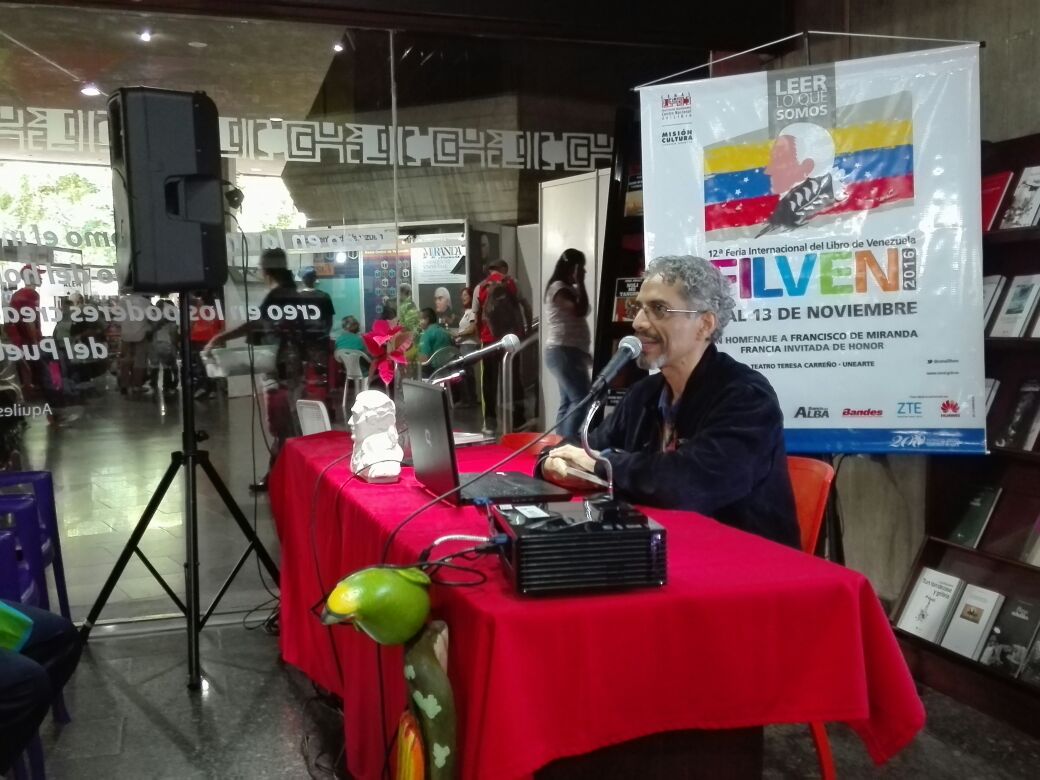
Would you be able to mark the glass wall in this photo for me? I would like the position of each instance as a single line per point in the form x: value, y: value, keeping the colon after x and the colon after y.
x: 384, y: 164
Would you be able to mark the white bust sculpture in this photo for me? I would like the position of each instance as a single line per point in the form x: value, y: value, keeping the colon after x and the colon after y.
x: 373, y: 425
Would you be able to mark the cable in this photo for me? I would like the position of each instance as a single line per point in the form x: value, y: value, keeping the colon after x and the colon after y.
x: 432, y: 502
x: 245, y: 618
x: 254, y: 408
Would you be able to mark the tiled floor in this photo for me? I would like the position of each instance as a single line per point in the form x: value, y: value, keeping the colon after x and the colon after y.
x: 256, y: 718
x: 107, y: 464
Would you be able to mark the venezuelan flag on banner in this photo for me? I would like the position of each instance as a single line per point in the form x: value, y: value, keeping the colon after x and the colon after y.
x: 873, y: 153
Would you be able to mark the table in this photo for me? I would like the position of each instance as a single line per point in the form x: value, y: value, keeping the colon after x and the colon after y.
x: 745, y: 633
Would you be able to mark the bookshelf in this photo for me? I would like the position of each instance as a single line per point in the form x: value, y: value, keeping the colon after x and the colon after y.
x: 995, y: 563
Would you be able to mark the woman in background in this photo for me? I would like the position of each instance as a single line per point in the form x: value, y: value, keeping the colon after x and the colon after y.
x: 568, y: 342
x: 468, y: 340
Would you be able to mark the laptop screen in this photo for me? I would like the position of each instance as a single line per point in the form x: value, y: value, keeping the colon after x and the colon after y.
x: 429, y: 430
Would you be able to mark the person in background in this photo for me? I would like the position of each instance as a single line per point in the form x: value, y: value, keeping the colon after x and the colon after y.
x: 433, y: 338
x: 286, y: 385
x: 442, y: 305
x: 162, y: 350
x: 705, y: 434
x: 202, y: 330
x: 22, y: 332
x: 39, y: 652
x: 498, y: 273
x: 318, y: 334
x: 568, y: 341
x: 407, y: 311
x: 350, y: 336
x: 467, y: 339
x: 133, y: 343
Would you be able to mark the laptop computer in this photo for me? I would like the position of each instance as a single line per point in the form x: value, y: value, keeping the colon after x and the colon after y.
x: 433, y: 456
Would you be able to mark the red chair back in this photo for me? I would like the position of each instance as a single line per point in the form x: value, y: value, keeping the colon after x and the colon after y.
x: 524, y: 439
x: 811, y: 480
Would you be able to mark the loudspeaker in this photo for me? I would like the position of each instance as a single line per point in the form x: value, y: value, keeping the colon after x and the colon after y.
x: 167, y: 195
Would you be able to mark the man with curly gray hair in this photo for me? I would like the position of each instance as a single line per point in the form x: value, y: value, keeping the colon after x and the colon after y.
x: 703, y: 434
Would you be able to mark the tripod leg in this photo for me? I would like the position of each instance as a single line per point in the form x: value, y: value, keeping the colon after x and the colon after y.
x: 191, y: 572
x: 142, y: 525
x: 232, y: 507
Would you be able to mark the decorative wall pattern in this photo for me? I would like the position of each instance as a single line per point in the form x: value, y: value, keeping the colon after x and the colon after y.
x: 54, y: 131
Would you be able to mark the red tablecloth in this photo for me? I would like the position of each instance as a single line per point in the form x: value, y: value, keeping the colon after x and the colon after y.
x: 745, y: 633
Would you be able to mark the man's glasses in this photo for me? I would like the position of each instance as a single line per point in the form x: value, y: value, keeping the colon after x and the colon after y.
x: 658, y: 310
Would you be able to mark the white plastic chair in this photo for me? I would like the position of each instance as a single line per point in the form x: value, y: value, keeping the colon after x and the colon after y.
x: 314, y: 417
x: 355, y: 375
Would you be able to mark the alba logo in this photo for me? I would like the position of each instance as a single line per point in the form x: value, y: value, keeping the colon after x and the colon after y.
x: 811, y: 411
x: 860, y: 412
x: 950, y: 409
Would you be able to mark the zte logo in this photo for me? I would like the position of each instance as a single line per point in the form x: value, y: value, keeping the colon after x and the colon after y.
x: 860, y: 412
x: 813, y: 412
x: 950, y: 409
x: 909, y: 409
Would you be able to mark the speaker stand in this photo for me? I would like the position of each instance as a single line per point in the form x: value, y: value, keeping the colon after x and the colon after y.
x: 189, y: 457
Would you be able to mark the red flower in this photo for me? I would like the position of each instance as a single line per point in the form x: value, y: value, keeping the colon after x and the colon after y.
x: 386, y: 344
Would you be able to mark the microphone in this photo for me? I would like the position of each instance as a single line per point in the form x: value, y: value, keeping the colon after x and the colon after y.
x: 629, y: 348
x: 509, y: 343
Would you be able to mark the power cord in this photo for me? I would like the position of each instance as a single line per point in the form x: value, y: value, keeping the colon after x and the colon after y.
x: 254, y: 409
x: 476, y: 477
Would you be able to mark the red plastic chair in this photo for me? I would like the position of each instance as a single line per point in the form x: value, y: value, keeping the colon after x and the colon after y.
x: 811, y: 480
x: 524, y: 439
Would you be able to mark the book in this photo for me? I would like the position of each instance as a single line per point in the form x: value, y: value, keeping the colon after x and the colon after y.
x: 1007, y: 533
x: 1017, y: 309
x: 994, y: 188
x: 1021, y: 429
x: 992, y: 386
x: 1012, y: 635
x: 972, y: 621
x: 976, y: 515
x: 992, y: 287
x: 625, y: 292
x: 1025, y: 203
x: 930, y: 604
x: 1031, y: 549
x: 634, y: 192
x: 1030, y: 671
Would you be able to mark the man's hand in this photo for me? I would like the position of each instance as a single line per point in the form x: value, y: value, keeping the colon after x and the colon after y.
x: 214, y: 342
x: 554, y: 467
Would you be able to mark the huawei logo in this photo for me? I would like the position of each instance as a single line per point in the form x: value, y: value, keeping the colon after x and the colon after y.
x: 950, y: 409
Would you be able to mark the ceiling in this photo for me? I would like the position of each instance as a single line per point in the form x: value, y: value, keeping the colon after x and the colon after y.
x: 251, y: 69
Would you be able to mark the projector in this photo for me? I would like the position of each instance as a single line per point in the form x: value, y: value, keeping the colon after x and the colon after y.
x: 589, y: 546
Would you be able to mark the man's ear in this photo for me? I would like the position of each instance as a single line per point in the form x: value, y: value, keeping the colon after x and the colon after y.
x: 709, y: 322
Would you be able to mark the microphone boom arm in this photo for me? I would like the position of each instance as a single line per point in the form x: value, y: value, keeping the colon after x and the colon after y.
x: 594, y: 406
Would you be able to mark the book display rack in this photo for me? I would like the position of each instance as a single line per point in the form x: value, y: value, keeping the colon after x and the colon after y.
x: 969, y: 614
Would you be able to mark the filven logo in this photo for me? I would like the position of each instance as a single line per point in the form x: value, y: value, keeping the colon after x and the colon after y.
x: 950, y: 408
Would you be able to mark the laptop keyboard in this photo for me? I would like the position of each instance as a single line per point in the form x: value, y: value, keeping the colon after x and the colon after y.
x: 503, y: 485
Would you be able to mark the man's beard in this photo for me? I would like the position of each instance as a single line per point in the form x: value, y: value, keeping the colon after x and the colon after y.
x: 650, y: 364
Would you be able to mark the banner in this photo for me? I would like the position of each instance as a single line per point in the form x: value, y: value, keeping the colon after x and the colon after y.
x: 842, y: 201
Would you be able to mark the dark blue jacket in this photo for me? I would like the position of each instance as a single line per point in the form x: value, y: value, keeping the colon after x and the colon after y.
x: 730, y: 463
